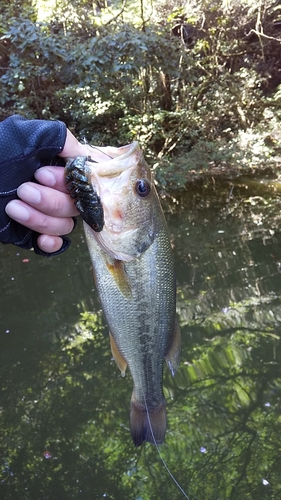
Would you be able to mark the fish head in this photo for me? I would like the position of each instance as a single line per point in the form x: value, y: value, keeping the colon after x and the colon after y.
x: 128, y: 196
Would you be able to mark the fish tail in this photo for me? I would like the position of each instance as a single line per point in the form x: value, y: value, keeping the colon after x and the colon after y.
x: 148, y: 424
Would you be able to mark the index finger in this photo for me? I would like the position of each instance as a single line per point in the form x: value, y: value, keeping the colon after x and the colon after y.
x: 52, y: 177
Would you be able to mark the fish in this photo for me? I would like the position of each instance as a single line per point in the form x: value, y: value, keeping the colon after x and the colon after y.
x: 134, y: 274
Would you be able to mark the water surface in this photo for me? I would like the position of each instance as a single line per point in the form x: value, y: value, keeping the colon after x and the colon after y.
x: 65, y: 408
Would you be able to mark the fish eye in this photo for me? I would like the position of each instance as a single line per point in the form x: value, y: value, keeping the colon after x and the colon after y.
x: 142, y: 188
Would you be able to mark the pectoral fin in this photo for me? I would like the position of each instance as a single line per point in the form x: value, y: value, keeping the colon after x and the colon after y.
x: 120, y: 361
x: 116, y: 269
x: 173, y: 355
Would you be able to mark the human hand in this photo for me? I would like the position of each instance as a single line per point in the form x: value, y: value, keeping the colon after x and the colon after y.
x: 45, y: 208
x: 74, y: 148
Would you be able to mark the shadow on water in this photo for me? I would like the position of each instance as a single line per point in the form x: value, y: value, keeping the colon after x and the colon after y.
x: 64, y: 407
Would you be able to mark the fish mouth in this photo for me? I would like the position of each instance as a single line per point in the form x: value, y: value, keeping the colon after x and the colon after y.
x: 121, y: 159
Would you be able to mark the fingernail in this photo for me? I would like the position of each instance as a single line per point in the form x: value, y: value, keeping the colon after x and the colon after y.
x: 29, y: 194
x: 49, y: 244
x: 16, y: 211
x: 44, y: 176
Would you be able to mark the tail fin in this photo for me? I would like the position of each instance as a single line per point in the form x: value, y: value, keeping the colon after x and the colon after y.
x: 148, y: 424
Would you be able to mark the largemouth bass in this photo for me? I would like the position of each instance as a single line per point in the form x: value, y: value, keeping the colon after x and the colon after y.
x: 134, y: 274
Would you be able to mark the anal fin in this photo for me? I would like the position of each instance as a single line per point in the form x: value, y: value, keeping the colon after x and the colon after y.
x: 120, y: 361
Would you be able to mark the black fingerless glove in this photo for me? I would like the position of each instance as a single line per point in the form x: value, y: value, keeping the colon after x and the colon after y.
x: 25, y: 146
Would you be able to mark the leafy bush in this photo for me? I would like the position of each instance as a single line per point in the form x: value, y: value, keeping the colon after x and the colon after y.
x: 190, y: 84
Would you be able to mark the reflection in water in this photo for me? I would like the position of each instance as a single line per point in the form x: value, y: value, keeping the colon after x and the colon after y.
x: 64, y: 406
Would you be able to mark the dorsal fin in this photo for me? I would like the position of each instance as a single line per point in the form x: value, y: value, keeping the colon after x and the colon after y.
x: 173, y: 355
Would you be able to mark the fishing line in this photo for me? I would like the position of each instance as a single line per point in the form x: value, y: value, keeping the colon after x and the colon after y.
x: 98, y: 149
x: 95, y: 147
x: 160, y: 455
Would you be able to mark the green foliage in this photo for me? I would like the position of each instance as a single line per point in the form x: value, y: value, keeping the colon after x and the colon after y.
x: 195, y: 84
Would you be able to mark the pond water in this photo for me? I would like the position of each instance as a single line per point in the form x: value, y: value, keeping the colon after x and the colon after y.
x: 65, y: 408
